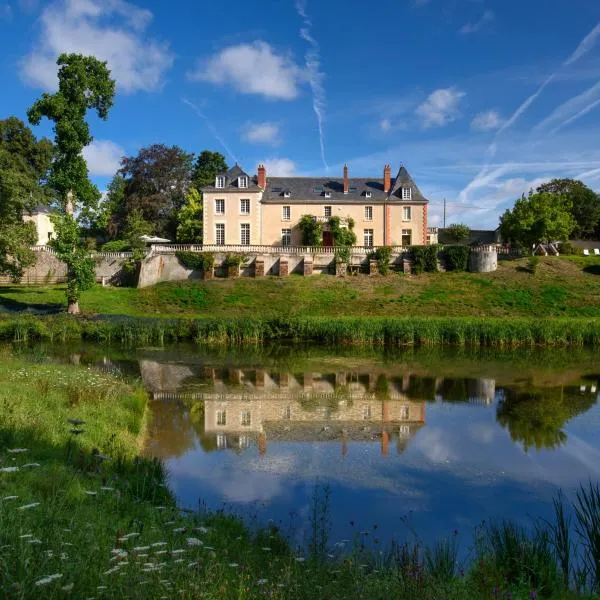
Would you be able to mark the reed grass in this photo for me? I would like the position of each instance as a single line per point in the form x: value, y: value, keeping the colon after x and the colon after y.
x: 365, y: 331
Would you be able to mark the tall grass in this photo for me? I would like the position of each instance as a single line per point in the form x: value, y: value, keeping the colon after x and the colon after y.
x: 368, y: 331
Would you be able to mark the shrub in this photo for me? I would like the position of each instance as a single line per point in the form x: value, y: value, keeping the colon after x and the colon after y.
x: 457, y: 257
x: 311, y: 230
x: 342, y: 236
x: 342, y: 255
x: 532, y: 264
x: 424, y: 259
x: 382, y: 255
x: 116, y: 246
x: 569, y: 249
x: 235, y: 260
x: 199, y: 261
x: 458, y: 233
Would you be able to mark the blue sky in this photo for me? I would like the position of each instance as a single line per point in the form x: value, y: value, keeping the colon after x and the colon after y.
x: 480, y: 99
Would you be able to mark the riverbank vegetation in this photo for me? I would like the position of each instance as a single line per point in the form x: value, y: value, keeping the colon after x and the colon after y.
x: 82, y: 515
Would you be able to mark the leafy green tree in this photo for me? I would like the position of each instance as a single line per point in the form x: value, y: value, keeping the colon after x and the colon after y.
x: 135, y: 227
x: 457, y: 233
x: 70, y: 250
x: 538, y: 218
x: 311, y: 229
x: 24, y: 164
x: 207, y: 166
x: 104, y: 221
x: 585, y: 204
x: 157, y: 181
x: 189, y: 219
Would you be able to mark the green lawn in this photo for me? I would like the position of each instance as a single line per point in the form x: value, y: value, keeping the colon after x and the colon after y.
x: 561, y: 287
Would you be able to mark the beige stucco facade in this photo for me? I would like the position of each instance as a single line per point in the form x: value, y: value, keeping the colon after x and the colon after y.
x: 43, y: 225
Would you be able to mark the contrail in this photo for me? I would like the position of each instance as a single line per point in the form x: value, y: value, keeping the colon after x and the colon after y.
x: 211, y: 128
x: 315, y: 76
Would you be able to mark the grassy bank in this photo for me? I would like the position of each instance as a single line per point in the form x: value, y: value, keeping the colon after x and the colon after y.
x: 561, y: 287
x: 366, y: 331
x: 75, y: 524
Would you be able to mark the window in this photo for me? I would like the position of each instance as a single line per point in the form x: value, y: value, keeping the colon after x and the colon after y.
x: 287, y: 412
x: 286, y: 213
x: 246, y: 418
x: 220, y: 207
x: 404, y: 431
x: 220, y: 183
x: 368, y: 194
x: 406, y: 193
x: 49, y: 235
x: 368, y: 238
x: 221, y: 417
x: 287, y: 194
x: 366, y: 412
x: 245, y: 206
x: 368, y: 213
x: 328, y: 208
x: 407, y: 237
x: 243, y: 182
x: 221, y: 441
x: 245, y: 234
x: 220, y: 234
x: 404, y: 413
x: 243, y: 442
x: 286, y: 237
x: 327, y: 194
x: 406, y: 213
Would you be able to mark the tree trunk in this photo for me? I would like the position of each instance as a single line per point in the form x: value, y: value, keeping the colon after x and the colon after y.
x: 73, y: 308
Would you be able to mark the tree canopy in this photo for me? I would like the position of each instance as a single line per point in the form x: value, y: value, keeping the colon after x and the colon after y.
x: 207, y: 166
x: 157, y: 180
x: 84, y: 83
x: 585, y: 204
x: 189, y: 219
x: 24, y: 165
x: 458, y: 233
x: 538, y: 218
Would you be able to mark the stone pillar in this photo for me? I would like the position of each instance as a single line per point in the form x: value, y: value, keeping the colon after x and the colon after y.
x: 341, y: 269
x: 208, y: 273
x: 260, y: 378
x: 407, y: 265
x: 259, y: 267
x: 284, y: 380
x: 233, y: 271
x: 283, y: 267
x: 307, y: 264
x: 373, y: 267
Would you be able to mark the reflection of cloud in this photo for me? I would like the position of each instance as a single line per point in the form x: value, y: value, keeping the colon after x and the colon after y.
x: 433, y: 446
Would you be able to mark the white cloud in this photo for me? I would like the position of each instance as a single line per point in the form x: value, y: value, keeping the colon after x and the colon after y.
x: 280, y: 167
x: 440, y: 108
x: 103, y: 157
x: 252, y: 69
x: 111, y: 30
x: 473, y: 27
x: 486, y: 121
x: 262, y: 133
x: 385, y: 125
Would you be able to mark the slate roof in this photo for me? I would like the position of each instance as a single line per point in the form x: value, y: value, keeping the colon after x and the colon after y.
x: 40, y: 209
x: 477, y: 237
x: 231, y: 181
x: 313, y: 189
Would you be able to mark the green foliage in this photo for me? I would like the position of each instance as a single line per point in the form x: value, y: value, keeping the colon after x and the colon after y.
x: 234, y: 259
x: 116, y: 246
x: 206, y: 168
x: 15, y: 253
x: 68, y: 248
x: 585, y: 205
x: 457, y: 233
x: 135, y: 227
x: 424, y: 258
x: 382, y: 255
x: 342, y: 236
x: 457, y: 257
x: 532, y: 264
x: 538, y: 218
x: 312, y: 231
x: 199, y: 261
x: 189, y: 219
x: 105, y: 219
x: 342, y: 255
x: 570, y: 250
x: 84, y: 83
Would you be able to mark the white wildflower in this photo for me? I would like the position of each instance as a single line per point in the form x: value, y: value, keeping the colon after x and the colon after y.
x: 178, y: 551
x: 158, y: 544
x: 9, y: 469
x: 201, y: 529
x: 179, y: 530
x: 159, y: 552
x: 300, y: 559
x: 48, y: 579
x: 17, y: 450
x: 192, y: 565
x: 234, y: 565
x: 26, y: 536
x: 113, y: 570
x: 28, y: 506
x: 178, y: 561
x: 141, y: 549
x: 107, y: 489
x: 8, y: 498
x: 194, y: 542
x: 31, y: 466
x: 266, y: 549
x: 91, y: 493
x: 68, y: 588
x: 262, y: 581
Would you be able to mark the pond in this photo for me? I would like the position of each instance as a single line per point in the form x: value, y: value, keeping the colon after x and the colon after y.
x: 416, y: 443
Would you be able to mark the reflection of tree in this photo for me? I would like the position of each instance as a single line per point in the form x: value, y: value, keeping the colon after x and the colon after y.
x: 208, y: 441
x: 170, y: 430
x: 536, y: 417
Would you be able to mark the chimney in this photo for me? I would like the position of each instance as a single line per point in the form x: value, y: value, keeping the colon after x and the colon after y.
x: 345, y: 179
x: 387, y: 178
x: 262, y: 176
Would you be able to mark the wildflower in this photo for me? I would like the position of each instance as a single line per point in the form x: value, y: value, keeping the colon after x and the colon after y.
x: 28, y: 506
x: 34, y: 541
x: 160, y: 552
x: 141, y: 548
x: 26, y: 536
x: 201, y: 529
x: 68, y: 588
x: 179, y: 551
x: 31, y: 466
x: 7, y: 498
x: 178, y: 561
x: 158, y: 544
x: 262, y: 581
x: 194, y: 542
x: 266, y: 549
x: 91, y: 493
x: 9, y: 469
x: 179, y: 530
x: 101, y: 587
x: 192, y: 565
x: 48, y: 579
x: 234, y: 565
x: 107, y: 489
x: 300, y: 559
x: 113, y: 570
x: 17, y: 450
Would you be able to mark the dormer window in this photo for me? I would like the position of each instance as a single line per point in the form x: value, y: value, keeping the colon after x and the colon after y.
x: 368, y: 194
x: 287, y: 194
x: 327, y: 194
x: 406, y: 193
x: 243, y: 182
x: 220, y: 182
